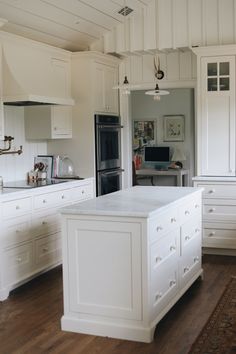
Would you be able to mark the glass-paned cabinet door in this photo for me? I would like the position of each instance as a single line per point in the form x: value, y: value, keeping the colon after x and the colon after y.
x: 218, y: 76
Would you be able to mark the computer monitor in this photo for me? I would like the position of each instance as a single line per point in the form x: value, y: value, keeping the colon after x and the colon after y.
x: 158, y: 155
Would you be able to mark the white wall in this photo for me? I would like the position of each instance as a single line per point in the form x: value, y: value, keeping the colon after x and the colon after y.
x: 179, y: 101
x: 15, y: 167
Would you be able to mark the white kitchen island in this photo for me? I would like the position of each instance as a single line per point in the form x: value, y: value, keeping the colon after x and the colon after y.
x: 128, y: 257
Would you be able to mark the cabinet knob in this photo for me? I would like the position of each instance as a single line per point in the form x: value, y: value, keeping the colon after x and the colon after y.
x: 197, y: 206
x: 187, y: 212
x: 173, y: 220
x: 158, y: 259
x: 172, y: 283
x: 44, y: 201
x: 211, y: 210
x: 158, y: 296
x: 197, y: 230
x: 82, y: 192
x: 55, y: 128
x: 17, y: 207
x: 186, y: 269
x: 44, y: 222
x: 212, y: 233
x: 196, y: 259
x: 62, y: 197
x: 159, y: 228
x: 172, y: 248
x: 187, y: 238
x: 17, y: 231
x: 211, y: 191
x: 45, y: 249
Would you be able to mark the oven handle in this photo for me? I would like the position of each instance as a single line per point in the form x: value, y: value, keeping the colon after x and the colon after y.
x: 102, y: 126
x: 112, y: 172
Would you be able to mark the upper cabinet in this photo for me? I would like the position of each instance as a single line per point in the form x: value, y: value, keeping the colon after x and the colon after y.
x: 1, y: 102
x: 48, y: 122
x: 216, y: 134
x: 105, y: 97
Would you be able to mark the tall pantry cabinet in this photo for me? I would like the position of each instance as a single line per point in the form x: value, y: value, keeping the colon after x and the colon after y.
x: 216, y: 147
x: 93, y: 76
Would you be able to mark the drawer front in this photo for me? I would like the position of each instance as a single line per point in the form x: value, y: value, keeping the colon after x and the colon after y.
x: 15, y: 208
x: 82, y: 192
x: 48, y: 200
x: 164, y: 249
x: 190, y: 209
x: 18, y: 263
x: 45, y: 224
x: 164, y: 286
x: 216, y: 235
x: 15, y: 231
x: 48, y: 250
x: 214, y: 212
x: 162, y: 224
x: 190, y: 230
x: 218, y: 190
x: 190, y: 262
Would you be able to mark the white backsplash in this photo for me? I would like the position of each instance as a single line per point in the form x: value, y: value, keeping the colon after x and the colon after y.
x: 15, y: 167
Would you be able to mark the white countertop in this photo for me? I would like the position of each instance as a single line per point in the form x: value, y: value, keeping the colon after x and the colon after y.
x: 214, y: 178
x: 138, y: 201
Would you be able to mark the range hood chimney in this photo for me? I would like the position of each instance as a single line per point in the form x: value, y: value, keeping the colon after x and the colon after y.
x: 28, y: 82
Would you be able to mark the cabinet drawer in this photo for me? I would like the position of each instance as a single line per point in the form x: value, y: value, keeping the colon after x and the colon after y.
x: 164, y: 286
x: 218, y: 190
x: 82, y: 192
x: 164, y: 249
x: 48, y: 250
x: 18, y: 263
x: 48, y: 200
x: 219, y: 212
x: 162, y: 224
x: 219, y: 235
x: 189, y: 209
x: 45, y: 224
x: 190, y: 230
x: 191, y: 260
x: 16, y: 208
x: 16, y: 230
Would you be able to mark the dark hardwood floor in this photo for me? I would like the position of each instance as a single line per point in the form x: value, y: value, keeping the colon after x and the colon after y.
x: 30, y: 318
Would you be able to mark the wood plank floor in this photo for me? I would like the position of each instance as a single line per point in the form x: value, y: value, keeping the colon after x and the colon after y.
x: 30, y: 318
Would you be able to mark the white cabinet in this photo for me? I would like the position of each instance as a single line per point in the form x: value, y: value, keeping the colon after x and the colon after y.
x: 1, y: 102
x: 219, y: 213
x: 105, y: 98
x: 30, y: 231
x: 122, y: 274
x: 48, y: 122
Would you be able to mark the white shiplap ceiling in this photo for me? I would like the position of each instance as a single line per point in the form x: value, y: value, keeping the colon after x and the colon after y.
x: 67, y: 24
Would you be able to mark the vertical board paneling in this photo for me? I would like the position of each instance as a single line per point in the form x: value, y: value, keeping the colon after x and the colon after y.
x: 173, y: 66
x: 211, y: 22
x: 165, y: 24
x: 137, y: 32
x: 15, y: 167
x: 150, y: 17
x: 180, y: 21
x: 185, y: 65
x: 148, y: 68
x: 226, y: 21
x: 136, y: 67
x: 195, y: 22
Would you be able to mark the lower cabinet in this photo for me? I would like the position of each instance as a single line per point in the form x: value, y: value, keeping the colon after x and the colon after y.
x: 30, y: 231
x: 219, y: 213
x: 123, y: 274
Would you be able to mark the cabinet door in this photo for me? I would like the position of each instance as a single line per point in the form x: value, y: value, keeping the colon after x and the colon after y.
x: 1, y: 103
x: 217, y: 131
x: 99, y: 88
x: 61, y: 122
x: 111, y: 95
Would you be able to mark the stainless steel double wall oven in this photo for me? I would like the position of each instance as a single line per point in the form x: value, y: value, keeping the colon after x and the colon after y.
x: 108, y: 154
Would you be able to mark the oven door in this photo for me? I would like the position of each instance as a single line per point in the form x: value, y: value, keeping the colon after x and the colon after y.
x: 109, y: 181
x: 108, y: 146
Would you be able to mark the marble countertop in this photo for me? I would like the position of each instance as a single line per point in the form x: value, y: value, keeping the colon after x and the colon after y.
x: 138, y: 201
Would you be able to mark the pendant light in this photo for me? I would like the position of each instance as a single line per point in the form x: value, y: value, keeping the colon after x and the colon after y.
x: 125, y: 87
x: 159, y: 74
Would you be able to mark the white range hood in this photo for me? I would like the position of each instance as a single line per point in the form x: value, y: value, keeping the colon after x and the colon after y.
x: 32, y: 76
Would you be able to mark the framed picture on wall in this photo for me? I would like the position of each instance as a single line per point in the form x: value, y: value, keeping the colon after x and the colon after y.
x: 143, y: 132
x: 173, y: 128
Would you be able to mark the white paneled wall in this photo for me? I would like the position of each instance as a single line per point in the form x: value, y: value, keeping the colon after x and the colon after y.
x: 15, y: 167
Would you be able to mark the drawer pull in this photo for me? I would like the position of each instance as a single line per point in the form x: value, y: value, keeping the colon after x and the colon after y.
x: 45, y: 249
x: 159, y: 228
x: 186, y: 212
x: 196, y: 259
x: 44, y: 222
x: 197, y: 206
x: 197, y: 230
x: 158, y: 259
x: 173, y: 220
x: 17, y: 231
x: 172, y: 283
x: 44, y: 201
x: 17, y: 207
x: 62, y: 197
x: 211, y: 210
x: 82, y: 192
x: 212, y: 233
x: 187, y: 238
x: 186, y: 269
x: 19, y: 259
x: 172, y: 248
x: 158, y: 296
x: 211, y: 191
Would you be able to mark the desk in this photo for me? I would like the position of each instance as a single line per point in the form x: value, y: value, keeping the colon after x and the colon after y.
x: 179, y: 174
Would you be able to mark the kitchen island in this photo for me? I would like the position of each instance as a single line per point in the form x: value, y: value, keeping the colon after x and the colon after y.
x: 128, y: 257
